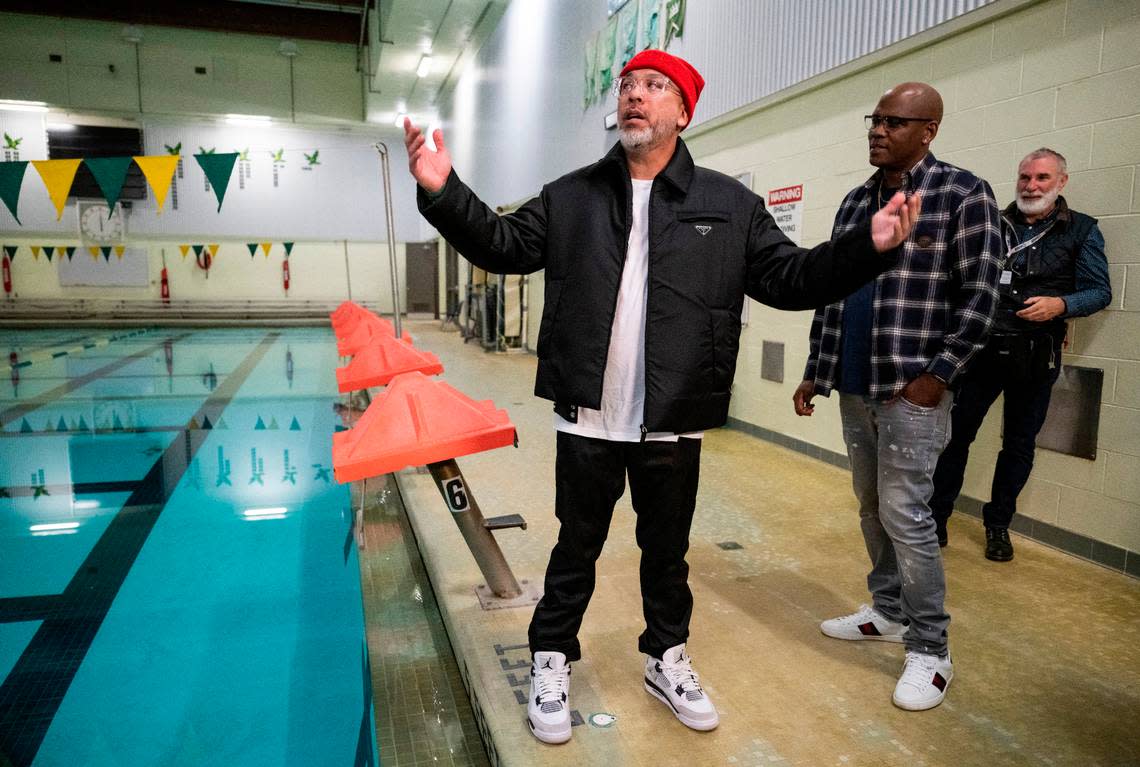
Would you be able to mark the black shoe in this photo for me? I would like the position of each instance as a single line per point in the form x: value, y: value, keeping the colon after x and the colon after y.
x: 998, y: 546
x: 940, y: 529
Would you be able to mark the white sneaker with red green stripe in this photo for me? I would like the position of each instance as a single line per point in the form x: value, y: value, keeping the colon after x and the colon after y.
x: 866, y: 623
x: 923, y: 682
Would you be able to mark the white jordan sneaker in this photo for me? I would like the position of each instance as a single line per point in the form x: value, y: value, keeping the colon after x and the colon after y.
x: 672, y: 681
x: 866, y: 623
x: 923, y: 682
x: 548, y: 709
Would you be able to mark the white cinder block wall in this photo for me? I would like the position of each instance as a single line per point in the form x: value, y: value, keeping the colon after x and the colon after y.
x: 1061, y: 73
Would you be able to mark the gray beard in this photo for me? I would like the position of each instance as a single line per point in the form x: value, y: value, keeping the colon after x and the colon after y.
x: 635, y: 141
x: 1040, y: 205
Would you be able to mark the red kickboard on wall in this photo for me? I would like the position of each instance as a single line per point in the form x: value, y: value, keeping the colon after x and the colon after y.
x: 383, y: 360
x: 416, y: 421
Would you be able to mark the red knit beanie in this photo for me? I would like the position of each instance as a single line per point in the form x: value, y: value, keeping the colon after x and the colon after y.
x: 681, y: 72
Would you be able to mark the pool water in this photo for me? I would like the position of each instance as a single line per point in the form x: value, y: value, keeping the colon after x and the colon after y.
x: 179, y: 583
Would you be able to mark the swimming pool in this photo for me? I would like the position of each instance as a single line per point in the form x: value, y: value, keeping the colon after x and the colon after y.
x: 178, y: 578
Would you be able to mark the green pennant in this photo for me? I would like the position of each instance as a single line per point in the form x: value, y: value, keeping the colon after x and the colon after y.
x: 11, y: 179
x: 259, y: 425
x: 109, y: 173
x: 106, y: 249
x: 252, y: 248
x: 62, y: 425
x: 10, y: 250
x: 288, y: 248
x: 206, y: 422
x: 197, y: 249
x: 48, y: 251
x: 295, y: 426
x: 116, y: 425
x: 25, y: 427
x: 70, y: 251
x: 218, y: 169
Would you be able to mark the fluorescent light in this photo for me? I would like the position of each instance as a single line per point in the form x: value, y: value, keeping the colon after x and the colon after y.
x: 271, y: 512
x: 425, y: 66
x: 233, y: 119
x: 54, y: 527
x: 16, y: 105
x: 85, y: 504
x: 61, y: 126
x: 400, y: 120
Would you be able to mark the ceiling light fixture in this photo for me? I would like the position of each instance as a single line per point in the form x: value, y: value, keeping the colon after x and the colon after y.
x: 425, y: 66
x: 232, y: 119
x: 16, y: 105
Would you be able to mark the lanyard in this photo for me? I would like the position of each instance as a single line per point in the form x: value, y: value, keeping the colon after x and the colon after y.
x: 1012, y: 250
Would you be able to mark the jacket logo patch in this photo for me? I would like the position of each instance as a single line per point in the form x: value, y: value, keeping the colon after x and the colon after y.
x: 925, y: 241
x: 702, y: 228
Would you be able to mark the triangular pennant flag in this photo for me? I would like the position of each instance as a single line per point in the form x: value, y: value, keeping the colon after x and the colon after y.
x: 62, y: 425
x: 109, y: 173
x: 273, y: 424
x: 159, y: 173
x: 49, y: 426
x: 57, y: 176
x: 218, y: 169
x: 265, y: 246
x: 221, y: 424
x: 36, y: 252
x: 260, y: 424
x: 116, y: 424
x: 25, y: 427
x: 106, y: 251
x: 82, y: 424
x: 206, y: 422
x: 295, y: 426
x: 184, y: 249
x: 193, y: 424
x: 212, y: 249
x: 288, y: 248
x: 11, y: 179
x: 197, y: 249
x: 49, y: 251
x: 10, y: 250
x: 70, y: 251
x: 94, y: 251
x: 252, y: 248
x: 119, y: 250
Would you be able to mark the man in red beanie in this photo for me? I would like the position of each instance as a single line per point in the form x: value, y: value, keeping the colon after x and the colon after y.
x: 648, y: 259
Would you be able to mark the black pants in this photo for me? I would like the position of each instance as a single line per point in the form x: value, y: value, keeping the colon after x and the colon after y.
x: 1026, y: 405
x: 589, y: 479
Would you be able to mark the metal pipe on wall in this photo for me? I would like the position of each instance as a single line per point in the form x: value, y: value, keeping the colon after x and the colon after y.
x: 382, y: 148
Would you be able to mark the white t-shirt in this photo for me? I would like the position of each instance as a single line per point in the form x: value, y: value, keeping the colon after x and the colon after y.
x: 623, y: 383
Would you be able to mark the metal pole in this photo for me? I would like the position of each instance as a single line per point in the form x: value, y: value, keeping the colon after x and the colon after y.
x: 347, y: 273
x: 449, y: 479
x: 382, y: 148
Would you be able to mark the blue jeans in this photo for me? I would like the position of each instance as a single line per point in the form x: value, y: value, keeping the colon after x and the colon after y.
x: 894, y: 447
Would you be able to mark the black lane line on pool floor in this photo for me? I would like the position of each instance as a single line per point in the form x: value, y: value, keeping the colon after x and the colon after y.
x: 31, y: 694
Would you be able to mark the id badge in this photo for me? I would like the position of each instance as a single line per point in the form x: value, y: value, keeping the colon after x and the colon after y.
x: 1006, y: 277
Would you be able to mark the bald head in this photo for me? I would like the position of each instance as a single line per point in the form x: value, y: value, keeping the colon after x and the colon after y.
x: 921, y: 98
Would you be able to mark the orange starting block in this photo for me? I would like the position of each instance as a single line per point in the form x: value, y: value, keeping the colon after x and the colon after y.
x: 381, y: 361
x: 416, y: 421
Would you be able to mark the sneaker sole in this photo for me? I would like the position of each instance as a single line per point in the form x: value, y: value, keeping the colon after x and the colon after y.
x: 693, y: 724
x: 893, y: 638
x: 554, y: 738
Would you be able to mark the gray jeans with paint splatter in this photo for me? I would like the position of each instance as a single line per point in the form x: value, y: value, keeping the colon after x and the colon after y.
x: 894, y: 448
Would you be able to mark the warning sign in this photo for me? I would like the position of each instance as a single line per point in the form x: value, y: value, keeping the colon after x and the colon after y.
x: 787, y: 206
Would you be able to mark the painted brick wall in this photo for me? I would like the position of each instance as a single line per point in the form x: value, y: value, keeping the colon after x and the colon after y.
x: 1014, y: 76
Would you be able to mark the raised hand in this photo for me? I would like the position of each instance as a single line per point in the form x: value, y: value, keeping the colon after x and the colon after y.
x: 892, y: 224
x: 429, y: 168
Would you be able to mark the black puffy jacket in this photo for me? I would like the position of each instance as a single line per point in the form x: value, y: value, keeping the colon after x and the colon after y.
x: 710, y: 242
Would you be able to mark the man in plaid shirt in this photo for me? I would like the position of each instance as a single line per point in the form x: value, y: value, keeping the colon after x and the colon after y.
x: 894, y: 350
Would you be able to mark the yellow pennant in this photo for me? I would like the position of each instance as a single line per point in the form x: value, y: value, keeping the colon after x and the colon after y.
x: 94, y: 251
x: 119, y: 252
x: 213, y: 250
x: 159, y: 172
x: 57, y: 176
x: 265, y: 246
x: 185, y: 249
x: 36, y: 252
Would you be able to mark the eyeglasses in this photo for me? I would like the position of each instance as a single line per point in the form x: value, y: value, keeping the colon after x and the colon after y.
x: 893, y: 122
x: 654, y: 85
